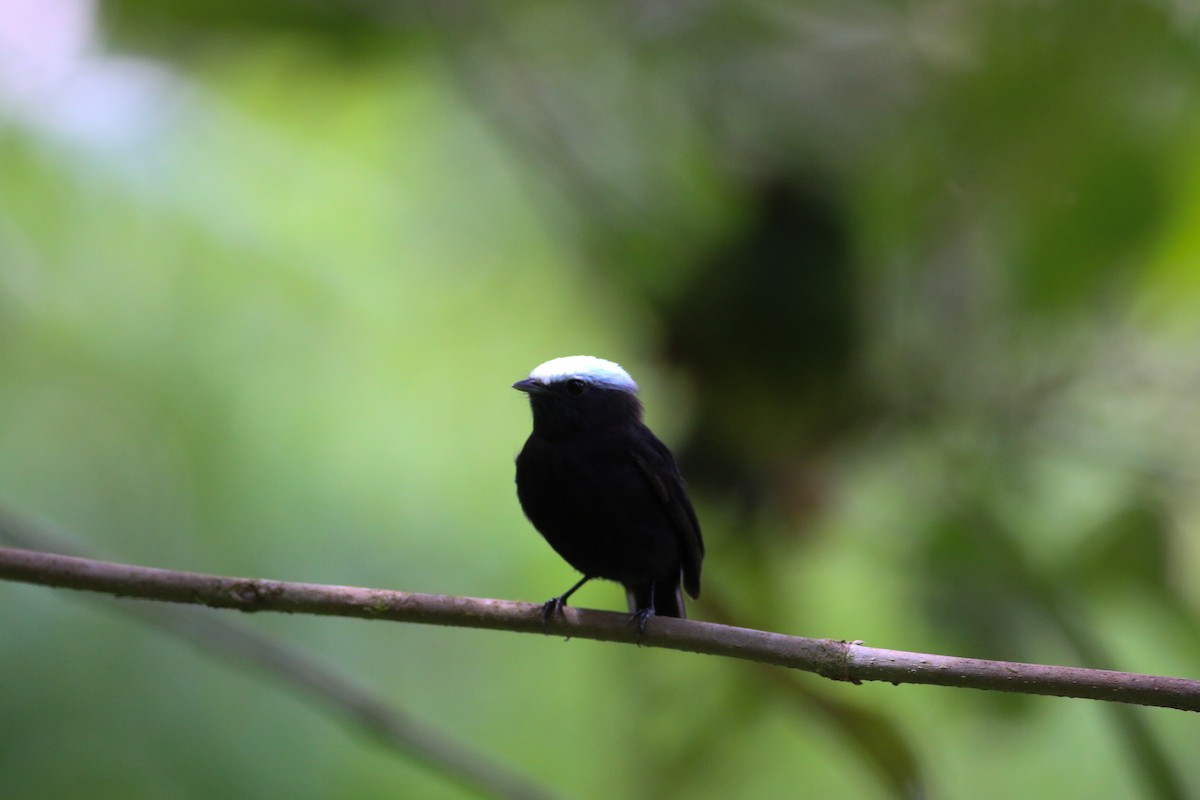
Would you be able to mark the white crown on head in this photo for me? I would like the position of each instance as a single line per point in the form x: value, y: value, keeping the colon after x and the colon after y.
x: 596, y: 371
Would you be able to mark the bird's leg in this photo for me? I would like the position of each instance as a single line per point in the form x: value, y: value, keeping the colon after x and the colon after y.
x: 640, y: 619
x: 555, y: 604
x: 642, y: 616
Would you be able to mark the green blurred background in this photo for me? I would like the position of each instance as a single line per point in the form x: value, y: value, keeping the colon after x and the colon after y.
x: 911, y: 287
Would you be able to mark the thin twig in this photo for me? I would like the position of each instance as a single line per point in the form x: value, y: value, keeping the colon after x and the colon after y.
x: 838, y: 660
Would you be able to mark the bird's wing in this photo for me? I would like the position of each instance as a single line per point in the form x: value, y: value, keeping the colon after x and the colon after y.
x: 658, y: 465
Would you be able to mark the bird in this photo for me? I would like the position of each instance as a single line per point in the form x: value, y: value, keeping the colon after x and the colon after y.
x: 604, y: 491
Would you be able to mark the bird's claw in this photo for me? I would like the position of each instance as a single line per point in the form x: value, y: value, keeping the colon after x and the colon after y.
x: 551, y: 607
x: 640, y: 618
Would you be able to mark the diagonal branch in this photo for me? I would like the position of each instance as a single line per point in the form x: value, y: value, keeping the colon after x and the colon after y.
x: 837, y: 660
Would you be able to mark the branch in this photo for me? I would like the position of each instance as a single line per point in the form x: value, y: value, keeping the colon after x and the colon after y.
x: 843, y: 661
x: 311, y: 679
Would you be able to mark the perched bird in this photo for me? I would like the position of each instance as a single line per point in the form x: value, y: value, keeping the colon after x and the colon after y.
x: 603, y: 490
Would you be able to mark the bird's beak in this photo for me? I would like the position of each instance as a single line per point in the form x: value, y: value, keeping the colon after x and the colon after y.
x: 529, y: 386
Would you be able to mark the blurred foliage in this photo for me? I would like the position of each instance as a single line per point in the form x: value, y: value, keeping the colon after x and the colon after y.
x: 910, y: 286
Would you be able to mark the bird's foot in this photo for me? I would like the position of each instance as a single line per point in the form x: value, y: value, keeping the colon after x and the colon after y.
x: 555, y: 604
x: 552, y: 607
x: 640, y: 618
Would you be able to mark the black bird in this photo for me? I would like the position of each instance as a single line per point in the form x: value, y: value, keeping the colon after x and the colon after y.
x: 603, y: 490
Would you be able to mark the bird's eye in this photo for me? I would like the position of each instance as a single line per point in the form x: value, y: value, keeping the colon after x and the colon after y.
x: 576, y: 386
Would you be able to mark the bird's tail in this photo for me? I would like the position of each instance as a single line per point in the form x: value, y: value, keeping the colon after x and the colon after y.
x: 664, y: 597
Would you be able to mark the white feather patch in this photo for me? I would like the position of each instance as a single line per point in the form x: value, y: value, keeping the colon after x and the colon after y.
x: 594, y: 370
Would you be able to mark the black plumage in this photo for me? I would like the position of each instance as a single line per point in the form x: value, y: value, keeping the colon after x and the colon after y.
x: 603, y: 490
